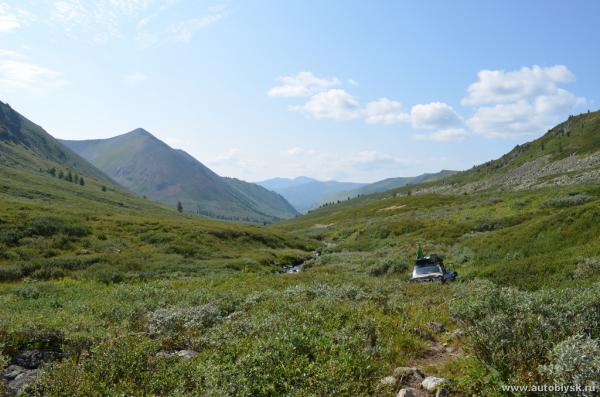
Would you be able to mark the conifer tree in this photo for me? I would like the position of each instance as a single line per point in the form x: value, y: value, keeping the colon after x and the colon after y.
x: 179, y: 206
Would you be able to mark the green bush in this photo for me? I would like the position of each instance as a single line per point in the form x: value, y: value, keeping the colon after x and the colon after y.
x: 388, y: 266
x: 574, y: 361
x: 512, y: 330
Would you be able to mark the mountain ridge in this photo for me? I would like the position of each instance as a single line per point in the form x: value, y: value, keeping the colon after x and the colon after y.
x: 174, y: 176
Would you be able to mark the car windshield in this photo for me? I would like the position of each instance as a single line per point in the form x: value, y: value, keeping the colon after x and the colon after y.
x: 427, y: 269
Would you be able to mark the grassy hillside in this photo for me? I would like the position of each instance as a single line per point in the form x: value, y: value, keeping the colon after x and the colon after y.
x: 147, y: 166
x: 19, y: 137
x: 389, y: 184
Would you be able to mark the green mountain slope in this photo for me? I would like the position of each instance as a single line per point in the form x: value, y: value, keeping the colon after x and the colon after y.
x: 51, y: 227
x: 391, y: 183
x: 306, y: 193
x: 567, y: 154
x: 25, y: 144
x: 528, y: 219
x: 149, y: 167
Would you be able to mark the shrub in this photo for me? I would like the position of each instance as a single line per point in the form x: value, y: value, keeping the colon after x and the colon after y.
x: 512, y: 330
x: 574, y: 361
x: 388, y: 266
x: 168, y: 320
x: 586, y: 267
x: 569, y: 201
x: 28, y: 292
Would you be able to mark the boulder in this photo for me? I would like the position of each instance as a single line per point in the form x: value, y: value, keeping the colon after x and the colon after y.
x: 187, y: 354
x: 28, y: 358
x: 21, y: 384
x: 404, y: 373
x: 12, y: 371
x: 431, y: 383
x: 407, y: 392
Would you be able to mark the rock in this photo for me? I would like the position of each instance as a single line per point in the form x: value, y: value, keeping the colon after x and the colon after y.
x: 407, y: 392
x: 21, y: 384
x: 187, y: 354
x: 431, y: 383
x: 12, y: 371
x: 28, y: 359
x: 32, y: 359
x: 436, y: 327
x: 456, y: 334
x: 405, y: 373
x: 442, y: 392
x: 450, y: 349
x: 388, y: 381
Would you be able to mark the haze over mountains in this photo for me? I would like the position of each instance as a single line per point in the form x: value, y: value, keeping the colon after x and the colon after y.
x: 305, y: 193
x: 149, y: 167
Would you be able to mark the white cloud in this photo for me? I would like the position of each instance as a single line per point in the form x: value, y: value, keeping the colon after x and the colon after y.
x: 523, y: 102
x: 298, y: 152
x: 9, y: 54
x: 301, y: 85
x: 8, y: 23
x: 353, y: 82
x: 434, y: 115
x: 428, y: 116
x: 12, y: 18
x: 17, y: 74
x: 183, y: 31
x: 103, y: 20
x: 136, y: 77
x: 334, y: 104
x: 385, y: 111
x: 447, y: 135
x: 497, y: 86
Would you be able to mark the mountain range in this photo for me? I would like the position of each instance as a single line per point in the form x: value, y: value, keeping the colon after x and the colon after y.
x: 147, y: 166
x: 305, y: 193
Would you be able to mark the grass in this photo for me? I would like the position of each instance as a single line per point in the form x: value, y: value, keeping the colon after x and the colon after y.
x: 114, y: 281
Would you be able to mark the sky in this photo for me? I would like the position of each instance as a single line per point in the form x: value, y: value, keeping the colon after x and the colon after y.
x: 346, y: 90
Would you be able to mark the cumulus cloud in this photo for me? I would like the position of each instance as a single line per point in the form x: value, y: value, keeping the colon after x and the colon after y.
x: 334, y: 104
x: 497, y: 86
x: 434, y: 115
x: 302, y: 84
x: 503, y: 104
x: 447, y: 135
x: 17, y: 74
x: 385, y: 111
x: 423, y: 116
x: 522, y: 102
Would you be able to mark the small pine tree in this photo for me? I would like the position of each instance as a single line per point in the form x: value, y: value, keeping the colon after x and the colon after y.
x: 179, y: 206
x: 76, y: 179
x: 61, y: 174
x: 103, y: 188
x: 69, y: 177
x: 52, y: 171
x: 81, y: 181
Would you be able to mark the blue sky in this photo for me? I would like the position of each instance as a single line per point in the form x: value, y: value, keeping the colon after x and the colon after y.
x: 348, y: 90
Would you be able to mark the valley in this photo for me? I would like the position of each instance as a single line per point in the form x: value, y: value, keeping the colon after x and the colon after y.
x: 127, y: 296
